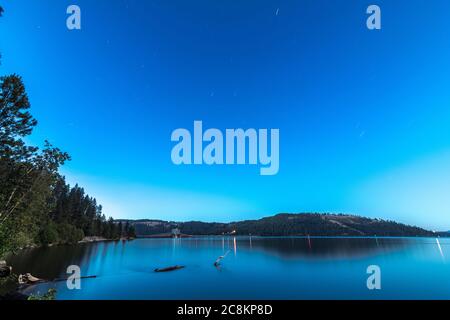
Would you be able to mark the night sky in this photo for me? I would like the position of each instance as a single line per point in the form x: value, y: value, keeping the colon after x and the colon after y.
x: 364, y: 116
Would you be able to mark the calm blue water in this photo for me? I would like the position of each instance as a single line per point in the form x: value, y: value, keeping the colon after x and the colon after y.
x: 254, y: 268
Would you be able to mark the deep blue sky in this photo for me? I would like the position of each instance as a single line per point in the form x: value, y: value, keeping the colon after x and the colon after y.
x: 363, y: 115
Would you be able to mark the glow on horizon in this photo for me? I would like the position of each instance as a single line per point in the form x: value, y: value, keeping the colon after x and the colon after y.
x: 416, y: 193
x: 137, y: 201
x: 409, y: 194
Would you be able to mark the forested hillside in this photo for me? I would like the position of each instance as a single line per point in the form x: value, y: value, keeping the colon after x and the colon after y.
x: 303, y: 224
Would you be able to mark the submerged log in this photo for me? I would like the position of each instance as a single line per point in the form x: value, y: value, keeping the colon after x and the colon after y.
x: 173, y: 268
x: 27, y: 278
x: 219, y: 259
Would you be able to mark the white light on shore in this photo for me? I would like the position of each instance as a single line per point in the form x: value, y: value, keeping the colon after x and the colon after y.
x: 440, y: 249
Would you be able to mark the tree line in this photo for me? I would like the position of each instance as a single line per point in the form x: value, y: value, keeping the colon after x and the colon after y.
x: 37, y: 206
x: 302, y: 224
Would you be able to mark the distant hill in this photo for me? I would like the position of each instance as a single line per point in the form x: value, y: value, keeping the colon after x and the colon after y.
x: 284, y: 224
x: 443, y: 234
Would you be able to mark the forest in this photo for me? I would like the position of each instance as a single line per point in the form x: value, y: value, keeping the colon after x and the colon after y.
x: 287, y: 224
x: 37, y: 206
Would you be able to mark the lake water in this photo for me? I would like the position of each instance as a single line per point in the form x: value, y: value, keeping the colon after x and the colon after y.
x: 254, y: 268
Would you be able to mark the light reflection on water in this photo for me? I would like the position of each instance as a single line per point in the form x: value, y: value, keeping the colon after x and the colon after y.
x: 256, y: 268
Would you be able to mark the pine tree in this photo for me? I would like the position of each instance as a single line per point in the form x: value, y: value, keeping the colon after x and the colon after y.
x: 27, y: 175
x: 129, y: 230
x: 120, y: 228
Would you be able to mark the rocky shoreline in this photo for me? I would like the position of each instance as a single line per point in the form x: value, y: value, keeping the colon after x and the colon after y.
x: 9, y: 287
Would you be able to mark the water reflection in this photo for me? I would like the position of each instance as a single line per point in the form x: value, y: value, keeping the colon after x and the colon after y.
x: 265, y: 268
x: 52, y: 262
x: 440, y: 249
x: 313, y: 248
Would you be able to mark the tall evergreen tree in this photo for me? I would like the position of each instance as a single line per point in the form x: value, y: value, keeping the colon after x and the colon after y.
x: 26, y: 174
x: 120, y: 228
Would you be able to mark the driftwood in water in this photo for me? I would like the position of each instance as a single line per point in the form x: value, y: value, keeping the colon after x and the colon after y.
x: 219, y: 259
x: 173, y: 268
x: 29, y: 279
